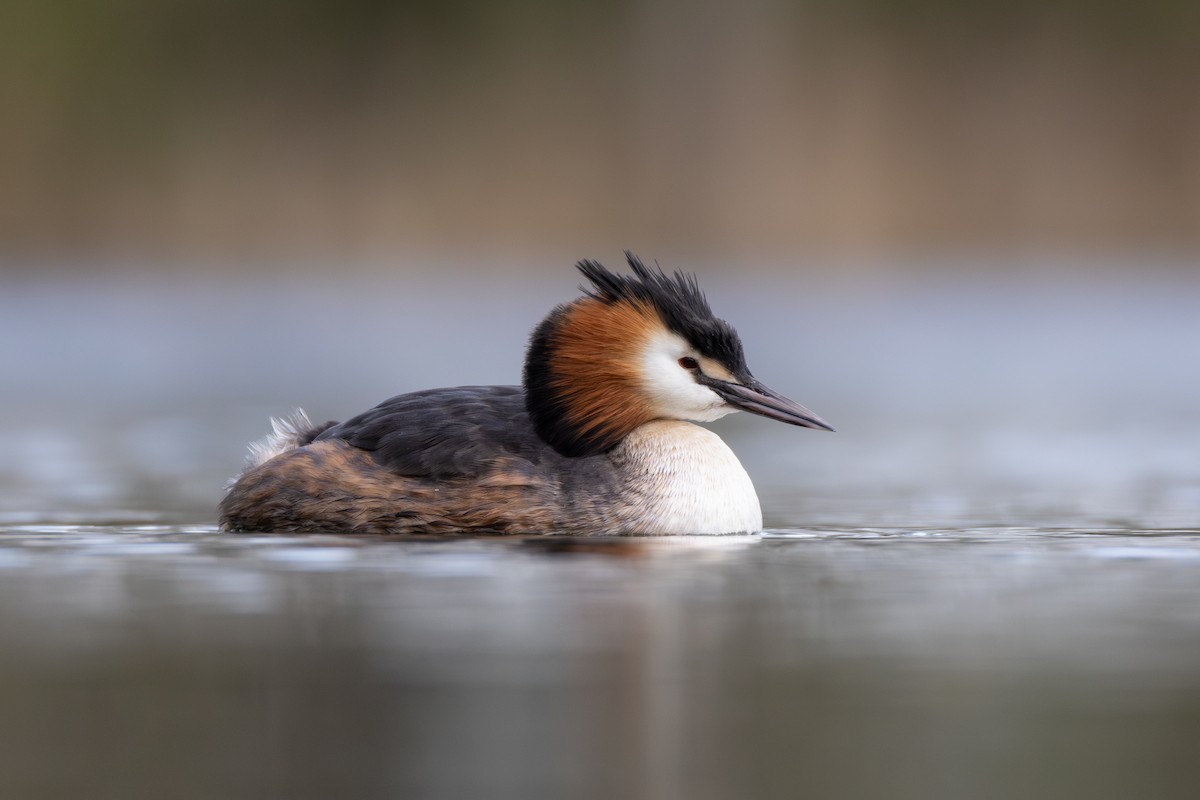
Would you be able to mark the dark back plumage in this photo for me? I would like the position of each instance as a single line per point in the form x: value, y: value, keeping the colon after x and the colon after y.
x: 441, y: 434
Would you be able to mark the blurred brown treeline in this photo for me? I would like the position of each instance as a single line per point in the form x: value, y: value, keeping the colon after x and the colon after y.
x: 256, y: 129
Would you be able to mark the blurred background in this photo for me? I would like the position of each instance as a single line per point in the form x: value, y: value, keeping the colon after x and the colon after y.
x: 965, y: 233
x: 271, y: 132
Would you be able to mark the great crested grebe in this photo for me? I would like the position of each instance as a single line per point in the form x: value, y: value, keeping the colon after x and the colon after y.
x: 595, y: 442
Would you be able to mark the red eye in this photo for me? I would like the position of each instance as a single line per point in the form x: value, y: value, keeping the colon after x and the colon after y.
x: 687, y: 362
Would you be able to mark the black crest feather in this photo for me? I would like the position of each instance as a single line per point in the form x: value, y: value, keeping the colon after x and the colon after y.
x: 677, y: 299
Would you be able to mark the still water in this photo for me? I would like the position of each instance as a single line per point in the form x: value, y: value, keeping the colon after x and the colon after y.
x: 986, y: 584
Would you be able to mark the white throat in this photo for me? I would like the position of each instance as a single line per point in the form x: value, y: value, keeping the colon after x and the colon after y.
x: 682, y: 479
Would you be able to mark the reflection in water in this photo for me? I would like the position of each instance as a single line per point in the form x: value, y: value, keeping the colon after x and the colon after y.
x: 885, y: 662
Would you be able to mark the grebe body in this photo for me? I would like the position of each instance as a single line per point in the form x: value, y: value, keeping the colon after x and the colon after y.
x: 598, y: 440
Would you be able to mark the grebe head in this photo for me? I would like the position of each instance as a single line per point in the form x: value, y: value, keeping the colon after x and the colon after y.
x: 637, y: 348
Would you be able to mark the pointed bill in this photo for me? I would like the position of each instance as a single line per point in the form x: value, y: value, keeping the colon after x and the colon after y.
x: 758, y: 399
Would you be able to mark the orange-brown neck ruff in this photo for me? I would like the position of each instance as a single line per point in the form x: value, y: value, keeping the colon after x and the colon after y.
x: 583, y: 385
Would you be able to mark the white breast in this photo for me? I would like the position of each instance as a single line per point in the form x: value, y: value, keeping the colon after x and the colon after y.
x: 682, y: 479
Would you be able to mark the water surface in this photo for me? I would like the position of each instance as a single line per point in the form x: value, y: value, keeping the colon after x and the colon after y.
x: 986, y: 584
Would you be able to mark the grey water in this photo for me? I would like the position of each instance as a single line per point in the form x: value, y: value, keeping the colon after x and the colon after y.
x: 986, y: 584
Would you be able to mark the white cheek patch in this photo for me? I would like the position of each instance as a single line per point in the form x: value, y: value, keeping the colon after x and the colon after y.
x: 672, y: 391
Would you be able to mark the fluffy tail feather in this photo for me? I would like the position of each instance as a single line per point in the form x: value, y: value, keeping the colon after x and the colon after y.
x: 287, y: 433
